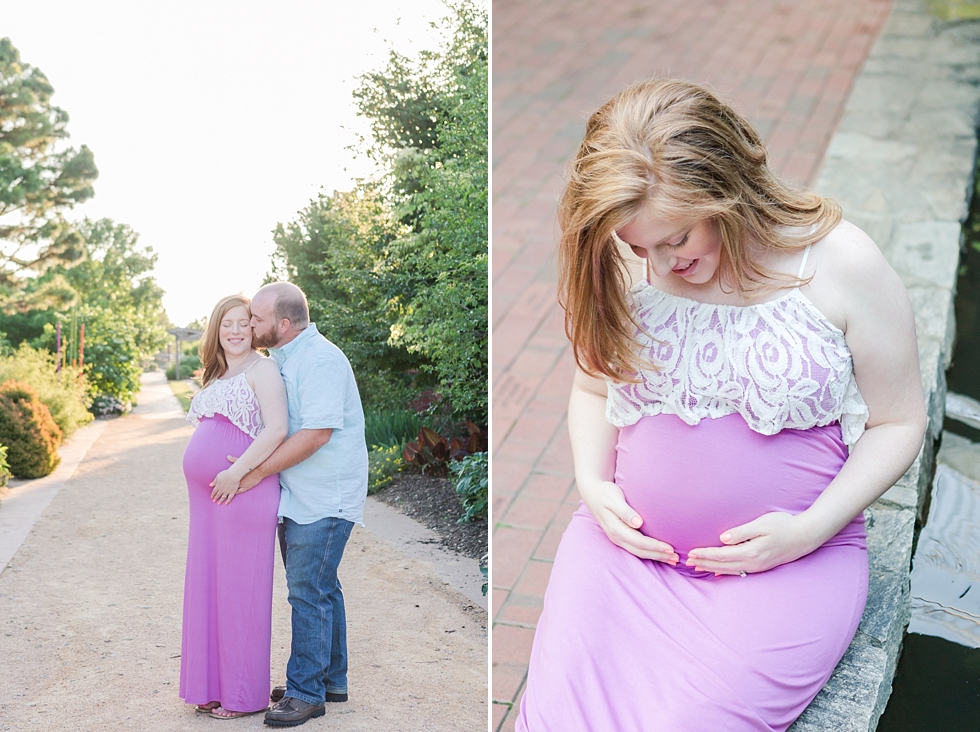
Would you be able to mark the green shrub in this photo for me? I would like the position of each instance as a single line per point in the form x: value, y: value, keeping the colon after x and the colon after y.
x: 4, y: 466
x: 471, y: 475
x: 383, y: 464
x: 390, y: 428
x: 65, y: 394
x: 188, y: 365
x: 104, y: 405
x: 28, y: 430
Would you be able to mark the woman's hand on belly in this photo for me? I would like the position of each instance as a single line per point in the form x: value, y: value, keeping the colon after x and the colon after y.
x: 225, y: 486
x: 768, y: 541
x: 621, y: 523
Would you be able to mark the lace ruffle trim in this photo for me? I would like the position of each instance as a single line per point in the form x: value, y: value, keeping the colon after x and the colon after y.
x: 779, y: 364
x: 232, y: 398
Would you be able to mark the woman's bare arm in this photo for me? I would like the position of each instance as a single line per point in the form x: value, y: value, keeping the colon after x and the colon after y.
x: 266, y: 382
x: 594, y: 450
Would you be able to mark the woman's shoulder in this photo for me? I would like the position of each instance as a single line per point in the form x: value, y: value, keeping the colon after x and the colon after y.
x: 848, y: 252
x: 263, y: 370
x: 847, y: 269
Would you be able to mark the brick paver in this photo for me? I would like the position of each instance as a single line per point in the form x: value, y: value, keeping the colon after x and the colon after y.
x: 786, y: 64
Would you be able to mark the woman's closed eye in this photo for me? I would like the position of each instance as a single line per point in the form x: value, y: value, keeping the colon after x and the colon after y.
x: 677, y: 244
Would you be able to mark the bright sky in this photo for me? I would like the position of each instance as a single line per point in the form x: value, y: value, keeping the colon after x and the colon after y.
x: 213, y: 120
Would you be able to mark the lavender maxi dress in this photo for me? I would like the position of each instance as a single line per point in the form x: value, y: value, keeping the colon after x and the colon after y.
x: 227, y: 629
x: 753, y: 410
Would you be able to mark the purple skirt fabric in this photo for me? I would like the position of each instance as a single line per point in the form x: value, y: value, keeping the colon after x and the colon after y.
x: 630, y: 644
x: 227, y: 629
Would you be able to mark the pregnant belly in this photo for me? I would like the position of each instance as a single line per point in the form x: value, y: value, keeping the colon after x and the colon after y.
x: 691, y: 483
x: 207, y: 452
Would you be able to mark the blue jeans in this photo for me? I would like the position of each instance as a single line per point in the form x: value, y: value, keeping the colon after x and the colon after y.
x: 318, y: 652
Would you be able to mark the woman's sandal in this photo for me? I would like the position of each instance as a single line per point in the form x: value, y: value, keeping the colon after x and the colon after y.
x: 207, y: 708
x: 229, y: 714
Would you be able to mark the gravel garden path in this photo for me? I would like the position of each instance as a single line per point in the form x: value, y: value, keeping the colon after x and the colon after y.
x: 90, y: 606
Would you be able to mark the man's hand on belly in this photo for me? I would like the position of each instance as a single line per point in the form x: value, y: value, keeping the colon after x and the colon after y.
x: 768, y: 541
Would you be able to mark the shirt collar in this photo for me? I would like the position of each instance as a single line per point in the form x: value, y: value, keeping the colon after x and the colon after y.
x: 281, y: 354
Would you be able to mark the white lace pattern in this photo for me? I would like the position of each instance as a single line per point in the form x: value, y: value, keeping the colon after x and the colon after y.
x: 780, y: 364
x: 232, y: 398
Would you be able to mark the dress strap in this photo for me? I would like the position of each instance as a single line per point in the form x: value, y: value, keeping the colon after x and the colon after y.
x: 806, y: 253
x: 252, y: 364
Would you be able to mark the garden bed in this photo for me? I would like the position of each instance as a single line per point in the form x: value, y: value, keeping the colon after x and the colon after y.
x: 433, y: 502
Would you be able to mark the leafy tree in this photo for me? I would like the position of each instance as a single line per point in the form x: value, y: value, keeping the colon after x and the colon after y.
x: 116, y: 276
x: 337, y: 251
x: 112, y: 291
x: 112, y: 356
x: 39, y: 181
x: 396, y: 270
x: 429, y: 118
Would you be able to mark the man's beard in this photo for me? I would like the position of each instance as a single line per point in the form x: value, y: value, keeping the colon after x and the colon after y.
x: 268, y: 340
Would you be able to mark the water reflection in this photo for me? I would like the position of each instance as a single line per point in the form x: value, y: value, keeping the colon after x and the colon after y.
x: 946, y: 566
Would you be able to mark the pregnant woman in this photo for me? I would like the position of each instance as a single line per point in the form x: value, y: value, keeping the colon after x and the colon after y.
x: 227, y: 630
x: 733, y: 415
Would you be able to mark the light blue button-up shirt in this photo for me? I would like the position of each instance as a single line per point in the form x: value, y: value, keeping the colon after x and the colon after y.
x: 321, y: 393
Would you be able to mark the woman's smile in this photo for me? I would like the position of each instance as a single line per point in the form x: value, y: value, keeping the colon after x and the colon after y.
x: 686, y: 270
x: 690, y: 251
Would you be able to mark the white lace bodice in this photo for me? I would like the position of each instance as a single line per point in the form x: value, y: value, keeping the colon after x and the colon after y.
x: 234, y: 399
x: 780, y: 364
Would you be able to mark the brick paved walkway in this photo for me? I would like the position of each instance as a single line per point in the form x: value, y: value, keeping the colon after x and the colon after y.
x: 787, y: 65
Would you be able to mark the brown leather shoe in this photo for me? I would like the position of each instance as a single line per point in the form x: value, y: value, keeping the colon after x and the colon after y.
x: 292, y: 712
x: 279, y: 692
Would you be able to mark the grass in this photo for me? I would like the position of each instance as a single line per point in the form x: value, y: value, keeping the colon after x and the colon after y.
x: 390, y: 428
x: 183, y: 392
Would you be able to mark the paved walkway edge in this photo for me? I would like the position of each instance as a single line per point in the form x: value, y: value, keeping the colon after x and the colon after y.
x: 901, y: 165
x: 419, y: 542
x: 20, y: 510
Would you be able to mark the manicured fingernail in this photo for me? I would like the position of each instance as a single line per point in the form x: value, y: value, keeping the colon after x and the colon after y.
x: 635, y: 522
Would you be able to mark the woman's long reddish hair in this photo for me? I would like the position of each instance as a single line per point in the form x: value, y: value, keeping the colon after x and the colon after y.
x: 213, y: 361
x: 674, y: 146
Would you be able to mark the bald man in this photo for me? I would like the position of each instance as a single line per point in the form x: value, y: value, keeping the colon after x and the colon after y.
x: 323, y: 473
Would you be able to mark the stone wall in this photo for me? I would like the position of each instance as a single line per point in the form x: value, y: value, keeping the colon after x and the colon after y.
x: 901, y: 166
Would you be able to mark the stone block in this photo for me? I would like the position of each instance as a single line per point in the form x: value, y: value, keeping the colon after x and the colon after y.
x: 963, y: 409
x: 908, y: 47
x: 877, y: 189
x: 909, y: 24
x: 889, y: 559
x: 946, y: 94
x: 933, y: 362
x: 847, y: 702
x: 938, y: 124
x: 905, y: 493
x: 881, y: 94
x: 889, y: 546
x: 854, y: 146
x: 927, y: 252
x: 933, y: 308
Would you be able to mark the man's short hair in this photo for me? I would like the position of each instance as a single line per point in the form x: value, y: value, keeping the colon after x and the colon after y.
x: 291, y: 305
